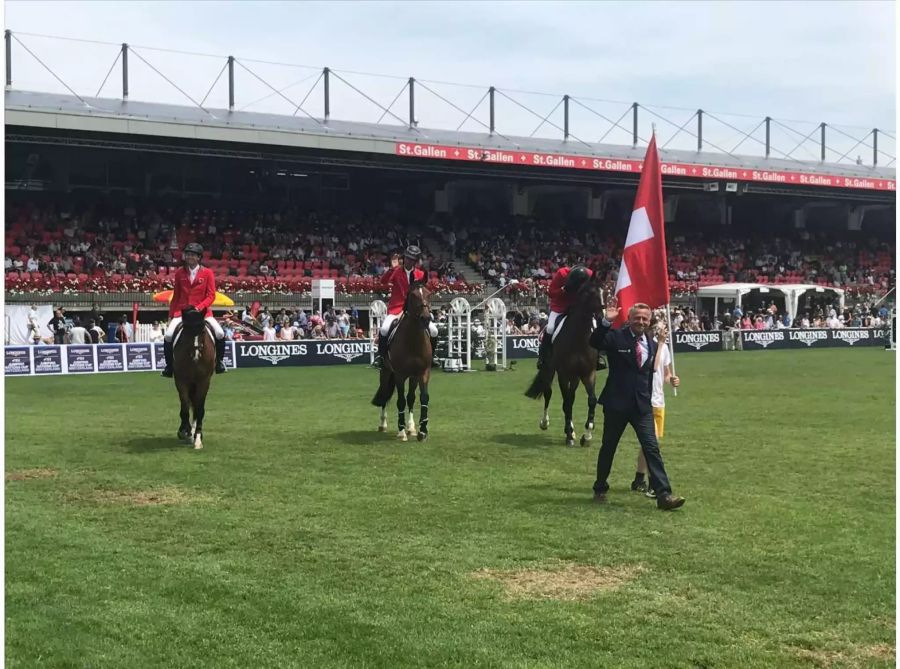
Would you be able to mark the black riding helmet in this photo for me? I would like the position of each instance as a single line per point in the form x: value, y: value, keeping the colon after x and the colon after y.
x: 413, y: 252
x: 577, y: 276
x: 193, y: 247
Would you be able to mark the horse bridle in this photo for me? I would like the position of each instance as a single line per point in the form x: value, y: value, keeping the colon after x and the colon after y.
x: 424, y: 317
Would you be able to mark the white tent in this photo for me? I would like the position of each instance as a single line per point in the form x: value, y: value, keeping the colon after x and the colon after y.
x: 791, y: 291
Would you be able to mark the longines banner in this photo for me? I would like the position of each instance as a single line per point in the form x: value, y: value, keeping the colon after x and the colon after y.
x: 88, y: 358
x: 302, y: 353
x: 790, y: 338
x: 526, y: 346
x: 522, y: 346
x: 688, y: 342
x: 84, y: 359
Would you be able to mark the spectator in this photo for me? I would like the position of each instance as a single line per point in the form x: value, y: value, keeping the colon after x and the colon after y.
x: 157, y: 334
x: 122, y: 330
x: 96, y: 332
x: 78, y: 334
x: 57, y: 326
x: 34, y: 330
x: 287, y: 332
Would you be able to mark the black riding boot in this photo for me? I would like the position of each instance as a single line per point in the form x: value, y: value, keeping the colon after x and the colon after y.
x: 167, y: 352
x: 220, y: 356
x: 379, y: 354
x: 544, y: 349
x: 434, y: 343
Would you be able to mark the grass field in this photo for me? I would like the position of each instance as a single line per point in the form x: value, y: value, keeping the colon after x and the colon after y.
x: 301, y: 537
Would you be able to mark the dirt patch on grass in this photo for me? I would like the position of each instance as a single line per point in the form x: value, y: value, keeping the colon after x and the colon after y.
x: 855, y: 656
x: 153, y: 497
x: 29, y: 474
x: 566, y: 582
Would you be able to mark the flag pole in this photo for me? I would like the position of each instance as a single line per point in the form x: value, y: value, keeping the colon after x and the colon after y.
x: 671, y: 346
x: 669, y: 320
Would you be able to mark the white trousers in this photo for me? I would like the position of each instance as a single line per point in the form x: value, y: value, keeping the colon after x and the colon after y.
x: 174, y: 323
x: 554, y: 317
x: 390, y: 318
x: 551, y: 322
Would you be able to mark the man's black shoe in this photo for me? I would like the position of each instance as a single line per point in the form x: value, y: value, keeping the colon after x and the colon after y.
x: 669, y: 502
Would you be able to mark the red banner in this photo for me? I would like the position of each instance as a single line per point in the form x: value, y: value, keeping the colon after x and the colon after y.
x: 596, y: 163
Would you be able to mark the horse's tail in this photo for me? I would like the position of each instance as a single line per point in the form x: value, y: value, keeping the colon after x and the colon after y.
x: 539, y: 385
x: 385, y: 390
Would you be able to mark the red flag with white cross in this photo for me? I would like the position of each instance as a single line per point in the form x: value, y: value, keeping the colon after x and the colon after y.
x: 643, y: 274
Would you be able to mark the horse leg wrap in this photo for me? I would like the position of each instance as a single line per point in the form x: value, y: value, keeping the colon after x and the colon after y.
x: 423, y: 419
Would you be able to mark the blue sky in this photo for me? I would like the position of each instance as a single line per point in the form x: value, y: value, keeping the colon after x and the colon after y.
x: 808, y: 61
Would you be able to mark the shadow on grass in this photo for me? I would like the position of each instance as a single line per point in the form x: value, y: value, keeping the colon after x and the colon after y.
x: 366, y: 437
x: 542, y: 440
x: 155, y: 444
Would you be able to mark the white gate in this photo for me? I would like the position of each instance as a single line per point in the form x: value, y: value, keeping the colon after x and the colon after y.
x: 377, y: 312
x: 459, y: 336
x: 891, y: 343
x: 495, y: 327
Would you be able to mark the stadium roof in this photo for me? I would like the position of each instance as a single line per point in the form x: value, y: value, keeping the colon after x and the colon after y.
x: 103, y: 115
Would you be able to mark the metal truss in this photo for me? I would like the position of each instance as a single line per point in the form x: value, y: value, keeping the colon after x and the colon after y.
x: 559, y: 118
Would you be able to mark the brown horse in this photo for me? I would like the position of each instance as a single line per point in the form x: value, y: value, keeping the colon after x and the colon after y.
x: 194, y: 359
x: 574, y: 360
x: 409, y: 357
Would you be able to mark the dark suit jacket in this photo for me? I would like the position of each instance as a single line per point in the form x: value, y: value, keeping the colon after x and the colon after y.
x: 627, y: 387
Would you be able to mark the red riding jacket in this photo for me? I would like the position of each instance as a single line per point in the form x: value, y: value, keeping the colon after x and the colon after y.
x: 560, y: 300
x: 200, y: 294
x: 398, y: 279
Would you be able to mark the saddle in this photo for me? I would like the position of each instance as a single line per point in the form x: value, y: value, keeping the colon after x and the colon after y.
x: 192, y: 325
x: 559, y: 326
x: 392, y: 331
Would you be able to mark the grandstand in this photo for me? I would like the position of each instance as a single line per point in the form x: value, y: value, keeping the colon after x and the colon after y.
x: 101, y: 194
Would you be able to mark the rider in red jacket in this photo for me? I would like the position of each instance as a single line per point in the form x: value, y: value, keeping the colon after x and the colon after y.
x: 195, y: 288
x: 563, y: 287
x: 399, y: 277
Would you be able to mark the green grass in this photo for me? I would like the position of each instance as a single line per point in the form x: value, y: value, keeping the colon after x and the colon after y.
x: 301, y: 537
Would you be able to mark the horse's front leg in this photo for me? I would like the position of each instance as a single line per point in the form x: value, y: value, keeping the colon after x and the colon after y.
x: 184, y: 430
x: 401, y: 410
x: 410, y: 403
x: 423, y: 412
x: 590, y: 385
x: 198, y: 401
x: 568, y: 393
x: 545, y: 419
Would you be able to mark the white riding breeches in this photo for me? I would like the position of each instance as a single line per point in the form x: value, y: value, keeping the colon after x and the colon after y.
x: 175, y: 322
x: 390, y: 318
x: 386, y: 324
x: 551, y: 322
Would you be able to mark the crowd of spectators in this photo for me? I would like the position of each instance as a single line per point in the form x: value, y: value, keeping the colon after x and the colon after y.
x: 289, y: 324
x: 67, y: 249
x: 823, y: 315
x: 529, y: 251
x: 53, y: 248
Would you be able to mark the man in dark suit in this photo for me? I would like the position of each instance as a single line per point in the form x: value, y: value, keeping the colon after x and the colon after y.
x: 626, y: 399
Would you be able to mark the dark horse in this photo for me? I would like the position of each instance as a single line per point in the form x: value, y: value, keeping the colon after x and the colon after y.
x: 409, y: 357
x: 574, y: 360
x: 194, y: 358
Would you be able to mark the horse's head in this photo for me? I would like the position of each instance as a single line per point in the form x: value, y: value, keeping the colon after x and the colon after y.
x: 192, y: 322
x: 418, y: 304
x: 590, y: 296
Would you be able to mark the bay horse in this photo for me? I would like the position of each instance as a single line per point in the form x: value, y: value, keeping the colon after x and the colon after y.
x: 409, y: 357
x: 574, y: 360
x: 194, y: 360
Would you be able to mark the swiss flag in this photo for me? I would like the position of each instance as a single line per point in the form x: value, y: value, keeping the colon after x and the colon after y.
x: 643, y: 275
